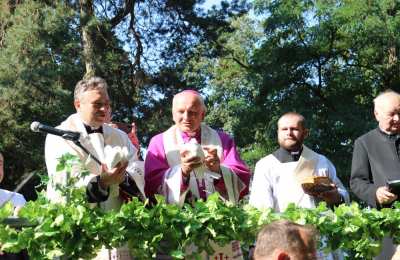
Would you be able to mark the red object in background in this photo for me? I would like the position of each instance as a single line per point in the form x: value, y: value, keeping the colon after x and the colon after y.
x: 133, y: 137
x: 130, y: 129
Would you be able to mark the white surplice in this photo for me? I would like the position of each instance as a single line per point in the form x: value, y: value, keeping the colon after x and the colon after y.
x: 95, y: 143
x: 173, y: 178
x: 276, y: 184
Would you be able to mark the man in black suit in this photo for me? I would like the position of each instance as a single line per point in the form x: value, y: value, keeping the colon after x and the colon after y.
x: 376, y: 158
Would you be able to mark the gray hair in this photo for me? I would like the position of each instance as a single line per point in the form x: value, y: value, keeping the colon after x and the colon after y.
x: 383, y: 96
x: 91, y: 83
x: 193, y: 92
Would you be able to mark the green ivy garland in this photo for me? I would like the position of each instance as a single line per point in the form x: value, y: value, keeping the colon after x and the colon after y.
x: 76, y: 230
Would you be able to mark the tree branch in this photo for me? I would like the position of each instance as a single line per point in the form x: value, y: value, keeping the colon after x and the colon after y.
x: 122, y: 13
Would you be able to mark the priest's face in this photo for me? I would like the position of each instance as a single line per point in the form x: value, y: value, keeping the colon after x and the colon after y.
x: 93, y: 107
x: 188, y: 112
x: 387, y: 113
x: 291, y: 132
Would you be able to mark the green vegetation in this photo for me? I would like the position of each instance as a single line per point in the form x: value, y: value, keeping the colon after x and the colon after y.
x: 75, y: 229
x: 324, y: 59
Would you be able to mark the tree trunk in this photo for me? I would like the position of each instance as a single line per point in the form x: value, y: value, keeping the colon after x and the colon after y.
x: 86, y: 14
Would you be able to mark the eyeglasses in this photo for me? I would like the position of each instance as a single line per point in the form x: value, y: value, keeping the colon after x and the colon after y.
x: 99, y: 105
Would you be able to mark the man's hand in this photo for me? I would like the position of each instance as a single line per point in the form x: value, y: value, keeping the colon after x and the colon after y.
x: 211, y: 160
x: 331, y: 196
x: 188, y: 163
x: 384, y: 196
x: 115, y: 175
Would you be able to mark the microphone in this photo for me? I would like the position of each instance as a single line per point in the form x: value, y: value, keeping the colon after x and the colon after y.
x: 68, y: 135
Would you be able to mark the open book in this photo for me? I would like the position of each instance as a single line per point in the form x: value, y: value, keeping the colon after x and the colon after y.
x: 394, y: 186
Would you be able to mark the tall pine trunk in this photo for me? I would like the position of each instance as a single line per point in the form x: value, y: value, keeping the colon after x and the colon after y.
x: 86, y: 14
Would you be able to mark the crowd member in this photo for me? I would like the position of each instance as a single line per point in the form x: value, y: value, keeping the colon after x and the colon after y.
x: 104, y: 142
x: 278, y: 177
x: 284, y: 240
x: 18, y: 201
x: 376, y: 159
x: 128, y: 129
x: 191, y: 160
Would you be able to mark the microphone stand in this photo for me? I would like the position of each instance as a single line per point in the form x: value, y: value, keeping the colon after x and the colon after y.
x: 86, y: 151
x: 74, y: 137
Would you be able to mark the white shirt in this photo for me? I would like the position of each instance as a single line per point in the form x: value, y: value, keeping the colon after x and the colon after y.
x: 16, y: 199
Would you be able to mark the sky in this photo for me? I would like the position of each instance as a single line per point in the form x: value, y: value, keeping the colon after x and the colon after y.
x: 210, y: 3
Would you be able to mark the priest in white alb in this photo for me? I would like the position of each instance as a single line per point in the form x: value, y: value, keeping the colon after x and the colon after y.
x: 280, y: 177
x: 117, y: 169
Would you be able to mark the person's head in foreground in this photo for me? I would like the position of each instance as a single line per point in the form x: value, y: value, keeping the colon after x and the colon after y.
x: 285, y: 240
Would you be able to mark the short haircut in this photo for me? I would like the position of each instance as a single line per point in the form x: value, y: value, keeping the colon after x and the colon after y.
x: 193, y: 92
x: 382, y: 97
x: 92, y: 83
x: 302, y: 120
x: 284, y: 235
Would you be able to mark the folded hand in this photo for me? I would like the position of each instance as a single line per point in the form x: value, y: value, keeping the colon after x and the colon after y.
x: 115, y: 175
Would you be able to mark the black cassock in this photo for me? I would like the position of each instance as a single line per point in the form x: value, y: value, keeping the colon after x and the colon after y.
x: 375, y: 162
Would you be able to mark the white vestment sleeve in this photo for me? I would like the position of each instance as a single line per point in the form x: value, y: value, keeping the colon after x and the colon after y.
x: 135, y: 168
x: 55, y: 148
x: 341, y: 189
x: 261, y: 192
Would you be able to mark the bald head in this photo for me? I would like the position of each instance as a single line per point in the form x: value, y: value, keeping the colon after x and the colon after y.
x: 387, y: 111
x: 188, y: 94
x: 388, y: 96
x: 293, y: 116
x: 188, y: 111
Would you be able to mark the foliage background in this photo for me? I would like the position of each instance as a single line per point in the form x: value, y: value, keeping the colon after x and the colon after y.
x: 252, y: 61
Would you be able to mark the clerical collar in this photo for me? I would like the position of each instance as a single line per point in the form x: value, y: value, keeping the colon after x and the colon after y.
x: 285, y: 156
x: 186, y: 137
x: 91, y: 130
x: 394, y: 136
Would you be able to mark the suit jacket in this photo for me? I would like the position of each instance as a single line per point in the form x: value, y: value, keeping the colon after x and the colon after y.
x: 375, y: 161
